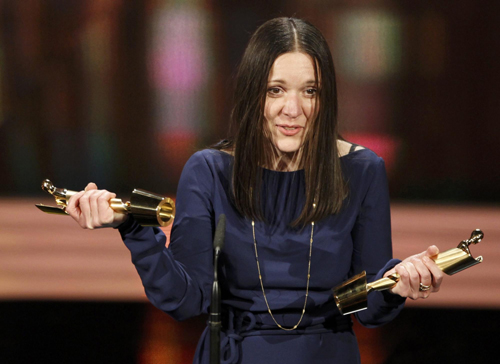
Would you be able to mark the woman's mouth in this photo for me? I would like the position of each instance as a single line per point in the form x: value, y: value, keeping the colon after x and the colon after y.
x: 289, y: 130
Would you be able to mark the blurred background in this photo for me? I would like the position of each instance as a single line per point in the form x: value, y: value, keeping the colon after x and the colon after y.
x: 122, y: 92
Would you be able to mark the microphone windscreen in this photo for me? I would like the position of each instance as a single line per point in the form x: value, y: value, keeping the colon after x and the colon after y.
x: 220, y: 232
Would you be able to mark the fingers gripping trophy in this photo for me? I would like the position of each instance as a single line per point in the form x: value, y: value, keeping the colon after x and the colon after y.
x: 148, y: 208
x: 351, y: 296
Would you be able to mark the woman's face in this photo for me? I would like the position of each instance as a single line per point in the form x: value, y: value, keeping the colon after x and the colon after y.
x: 290, y: 100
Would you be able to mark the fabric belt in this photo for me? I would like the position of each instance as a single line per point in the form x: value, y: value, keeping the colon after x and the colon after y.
x: 240, y: 324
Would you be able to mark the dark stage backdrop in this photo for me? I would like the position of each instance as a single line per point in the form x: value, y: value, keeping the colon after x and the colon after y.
x: 122, y: 92
x: 135, y: 333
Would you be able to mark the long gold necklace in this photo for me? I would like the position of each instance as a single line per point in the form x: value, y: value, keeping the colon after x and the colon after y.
x: 308, y: 279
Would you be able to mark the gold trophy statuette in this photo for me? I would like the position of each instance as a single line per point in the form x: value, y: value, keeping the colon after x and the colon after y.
x: 351, y: 296
x: 149, y: 209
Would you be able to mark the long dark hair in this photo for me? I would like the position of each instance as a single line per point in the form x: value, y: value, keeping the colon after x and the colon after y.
x: 324, y: 182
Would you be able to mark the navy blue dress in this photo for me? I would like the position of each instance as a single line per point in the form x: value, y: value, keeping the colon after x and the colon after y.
x: 178, y: 280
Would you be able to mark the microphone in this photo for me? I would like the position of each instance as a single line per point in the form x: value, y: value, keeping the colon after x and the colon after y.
x: 214, y: 320
x: 220, y: 233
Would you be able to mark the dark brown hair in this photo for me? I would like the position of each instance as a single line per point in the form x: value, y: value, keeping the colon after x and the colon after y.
x: 324, y: 183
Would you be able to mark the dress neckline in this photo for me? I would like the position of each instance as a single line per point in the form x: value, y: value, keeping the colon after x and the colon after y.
x: 350, y: 154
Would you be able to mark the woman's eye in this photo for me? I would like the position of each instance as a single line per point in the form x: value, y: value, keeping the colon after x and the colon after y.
x: 273, y: 91
x: 311, y: 92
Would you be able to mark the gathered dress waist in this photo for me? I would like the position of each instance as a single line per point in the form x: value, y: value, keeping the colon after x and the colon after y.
x: 239, y: 324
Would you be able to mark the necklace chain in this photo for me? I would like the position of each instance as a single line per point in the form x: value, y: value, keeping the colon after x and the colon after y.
x: 308, y: 279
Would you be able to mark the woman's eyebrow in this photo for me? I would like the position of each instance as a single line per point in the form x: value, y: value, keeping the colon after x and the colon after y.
x: 276, y: 81
x: 308, y: 82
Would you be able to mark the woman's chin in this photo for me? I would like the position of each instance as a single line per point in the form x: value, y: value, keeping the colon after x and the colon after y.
x: 287, y: 148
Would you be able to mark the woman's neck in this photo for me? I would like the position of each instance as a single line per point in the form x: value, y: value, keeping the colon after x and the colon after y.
x: 287, y: 162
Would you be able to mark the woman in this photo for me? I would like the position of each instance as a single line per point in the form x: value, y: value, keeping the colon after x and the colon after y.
x: 305, y: 211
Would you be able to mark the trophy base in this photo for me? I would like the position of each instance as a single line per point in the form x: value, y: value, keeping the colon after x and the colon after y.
x: 150, y: 209
x: 351, y: 296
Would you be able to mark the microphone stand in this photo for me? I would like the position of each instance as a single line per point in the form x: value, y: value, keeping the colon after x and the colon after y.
x: 214, y: 320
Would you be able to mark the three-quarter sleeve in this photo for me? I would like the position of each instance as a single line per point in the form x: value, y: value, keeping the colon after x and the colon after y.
x: 177, y: 279
x: 373, y: 246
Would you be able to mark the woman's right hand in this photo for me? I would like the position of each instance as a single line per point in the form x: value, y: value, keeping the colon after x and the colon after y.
x: 91, y: 210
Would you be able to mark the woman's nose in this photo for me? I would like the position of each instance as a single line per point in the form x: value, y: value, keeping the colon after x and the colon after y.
x: 292, y: 107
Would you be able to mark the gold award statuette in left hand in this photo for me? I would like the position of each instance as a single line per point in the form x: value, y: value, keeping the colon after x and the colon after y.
x: 149, y: 209
x: 351, y: 296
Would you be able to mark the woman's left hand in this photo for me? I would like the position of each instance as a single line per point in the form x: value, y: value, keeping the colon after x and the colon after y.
x: 419, y: 275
